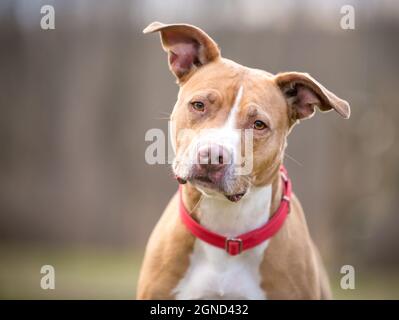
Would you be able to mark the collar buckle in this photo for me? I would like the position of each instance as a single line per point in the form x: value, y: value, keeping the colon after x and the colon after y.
x: 233, y: 246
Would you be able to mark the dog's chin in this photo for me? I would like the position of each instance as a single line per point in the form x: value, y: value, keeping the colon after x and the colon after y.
x: 210, y: 189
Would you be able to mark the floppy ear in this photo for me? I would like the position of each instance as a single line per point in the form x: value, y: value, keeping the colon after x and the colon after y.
x: 188, y: 47
x: 303, y: 93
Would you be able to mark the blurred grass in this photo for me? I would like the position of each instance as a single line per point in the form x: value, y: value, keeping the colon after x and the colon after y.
x: 110, y: 273
x: 80, y: 273
x: 376, y: 284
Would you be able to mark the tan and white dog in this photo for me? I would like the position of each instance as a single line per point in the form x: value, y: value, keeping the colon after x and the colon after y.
x: 220, y: 94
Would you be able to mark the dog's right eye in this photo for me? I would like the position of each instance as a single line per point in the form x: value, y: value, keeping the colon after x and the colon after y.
x: 259, y: 125
x: 198, y: 106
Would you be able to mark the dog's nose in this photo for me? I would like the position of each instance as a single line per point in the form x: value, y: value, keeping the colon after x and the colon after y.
x: 212, y: 159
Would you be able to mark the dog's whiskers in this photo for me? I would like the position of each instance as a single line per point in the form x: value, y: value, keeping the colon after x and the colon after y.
x: 248, y: 180
x: 293, y: 159
x: 166, y: 114
x: 196, y: 205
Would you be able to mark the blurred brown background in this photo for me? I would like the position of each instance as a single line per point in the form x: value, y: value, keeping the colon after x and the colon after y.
x: 76, y: 102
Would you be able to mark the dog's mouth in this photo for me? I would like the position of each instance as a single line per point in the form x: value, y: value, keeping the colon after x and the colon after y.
x: 206, y: 181
x: 235, y: 197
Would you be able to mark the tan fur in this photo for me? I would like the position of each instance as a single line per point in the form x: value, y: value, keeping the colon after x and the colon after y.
x: 291, y: 267
x: 167, y: 256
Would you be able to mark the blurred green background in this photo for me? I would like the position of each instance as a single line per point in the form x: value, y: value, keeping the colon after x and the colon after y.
x: 111, y: 273
x: 76, y: 102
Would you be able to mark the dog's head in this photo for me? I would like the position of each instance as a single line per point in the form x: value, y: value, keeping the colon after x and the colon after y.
x: 230, y: 123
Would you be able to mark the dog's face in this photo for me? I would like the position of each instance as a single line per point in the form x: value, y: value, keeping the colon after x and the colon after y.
x: 230, y: 123
x: 218, y: 103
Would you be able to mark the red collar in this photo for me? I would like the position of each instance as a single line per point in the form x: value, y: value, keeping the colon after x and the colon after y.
x: 236, y: 245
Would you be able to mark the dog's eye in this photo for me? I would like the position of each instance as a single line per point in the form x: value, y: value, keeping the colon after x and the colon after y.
x: 198, y: 105
x: 259, y: 125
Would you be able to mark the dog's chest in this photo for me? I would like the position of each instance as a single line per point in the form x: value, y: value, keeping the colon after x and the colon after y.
x: 215, y: 275
x: 212, y: 273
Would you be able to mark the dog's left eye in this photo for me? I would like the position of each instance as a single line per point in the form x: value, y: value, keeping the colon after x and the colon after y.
x: 198, y: 105
x: 259, y: 125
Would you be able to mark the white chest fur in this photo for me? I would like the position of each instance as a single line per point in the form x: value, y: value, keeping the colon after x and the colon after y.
x: 213, y: 274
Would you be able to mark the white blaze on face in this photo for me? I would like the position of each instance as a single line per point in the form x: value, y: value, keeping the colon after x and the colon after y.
x: 228, y: 135
x: 231, y: 120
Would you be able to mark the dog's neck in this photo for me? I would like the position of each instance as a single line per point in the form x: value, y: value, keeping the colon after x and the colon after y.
x: 233, y: 218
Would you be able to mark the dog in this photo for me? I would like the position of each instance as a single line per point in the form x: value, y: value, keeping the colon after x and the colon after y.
x: 225, y: 235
